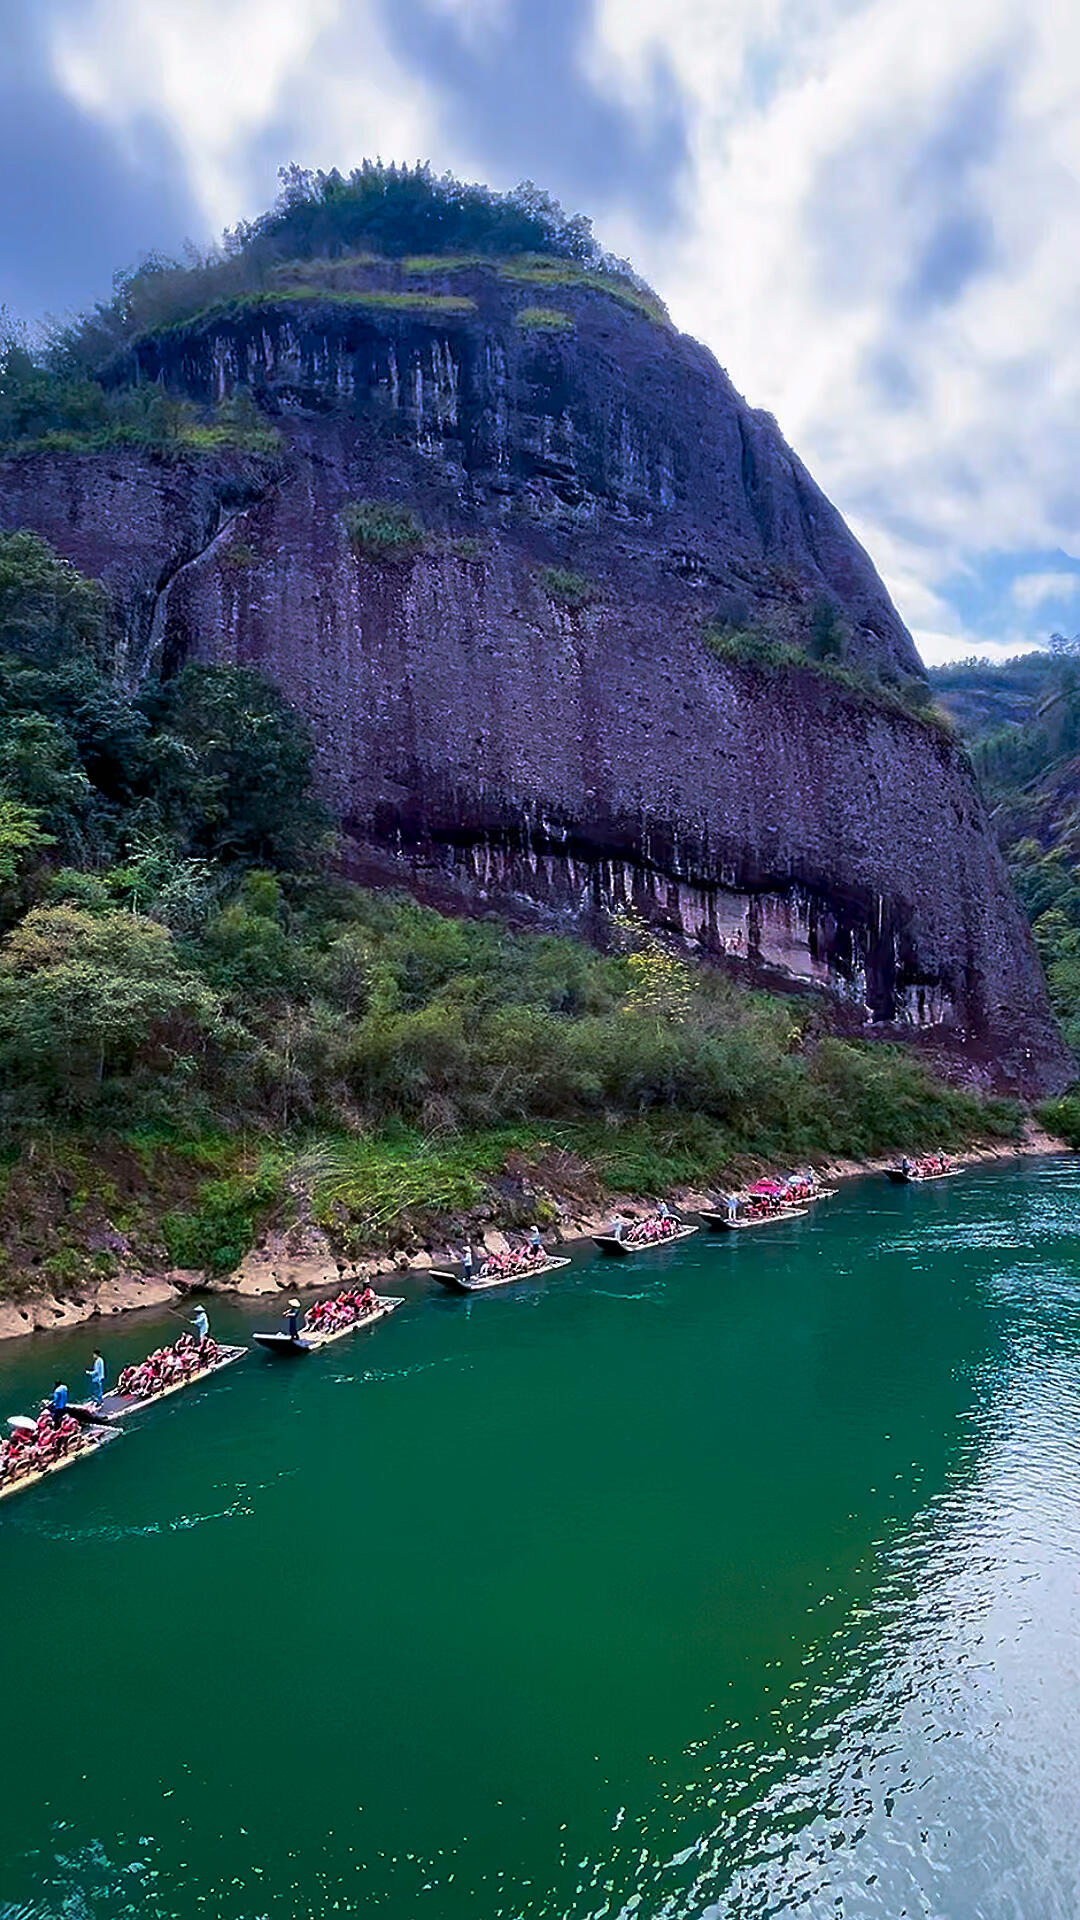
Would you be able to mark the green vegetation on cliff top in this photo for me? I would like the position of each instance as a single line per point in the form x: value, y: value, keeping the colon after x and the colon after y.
x: 324, y: 232
x: 203, y: 1030
x: 815, y: 642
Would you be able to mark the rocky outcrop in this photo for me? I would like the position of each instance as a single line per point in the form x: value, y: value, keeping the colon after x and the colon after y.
x: 523, y: 711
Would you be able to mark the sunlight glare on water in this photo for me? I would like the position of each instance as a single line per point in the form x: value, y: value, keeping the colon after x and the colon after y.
x: 740, y: 1580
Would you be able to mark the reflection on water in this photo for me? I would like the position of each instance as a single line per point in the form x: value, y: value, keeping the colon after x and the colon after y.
x: 763, y: 1604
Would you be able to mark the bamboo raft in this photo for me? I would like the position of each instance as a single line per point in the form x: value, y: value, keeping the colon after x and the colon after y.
x: 622, y: 1249
x: 901, y: 1179
x: 311, y: 1342
x: 721, y: 1224
x: 117, y: 1406
x: 100, y: 1437
x: 457, y: 1283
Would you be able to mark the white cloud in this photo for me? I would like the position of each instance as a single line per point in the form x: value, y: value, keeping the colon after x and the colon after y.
x: 809, y: 210
x: 937, y: 648
x: 843, y: 157
x: 217, y: 73
x: 476, y: 20
x: 1033, y: 590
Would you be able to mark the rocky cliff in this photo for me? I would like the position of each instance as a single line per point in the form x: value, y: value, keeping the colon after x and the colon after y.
x: 518, y: 706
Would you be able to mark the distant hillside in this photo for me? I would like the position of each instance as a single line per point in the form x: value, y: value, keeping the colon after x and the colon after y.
x: 1021, y: 722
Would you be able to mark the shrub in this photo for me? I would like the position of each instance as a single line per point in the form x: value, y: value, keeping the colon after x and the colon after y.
x: 544, y: 320
x: 380, y: 530
x: 567, y: 588
x: 214, y: 1236
x: 1062, y: 1118
x: 829, y: 632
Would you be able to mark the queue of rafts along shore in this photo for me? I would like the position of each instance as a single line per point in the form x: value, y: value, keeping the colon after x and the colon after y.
x: 65, y: 1429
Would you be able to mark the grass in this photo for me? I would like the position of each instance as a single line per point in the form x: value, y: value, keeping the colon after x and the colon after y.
x: 443, y: 262
x: 544, y: 320
x: 448, y: 305
x: 315, y: 269
x: 200, y: 441
x: 220, y: 439
x: 544, y: 270
x: 768, y: 655
x: 567, y: 588
x: 382, y: 530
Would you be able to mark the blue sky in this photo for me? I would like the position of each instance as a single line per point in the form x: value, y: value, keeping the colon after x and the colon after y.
x: 869, y: 210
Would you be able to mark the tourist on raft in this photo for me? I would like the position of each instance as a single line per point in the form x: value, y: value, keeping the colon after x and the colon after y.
x: 927, y: 1167
x: 347, y: 1307
x: 661, y: 1225
x: 168, y: 1367
x: 516, y: 1260
x: 35, y: 1448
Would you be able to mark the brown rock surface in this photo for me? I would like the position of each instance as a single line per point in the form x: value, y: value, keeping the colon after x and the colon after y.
x: 490, y: 745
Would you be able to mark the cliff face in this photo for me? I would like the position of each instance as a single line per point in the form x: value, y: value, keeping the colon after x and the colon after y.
x: 492, y: 732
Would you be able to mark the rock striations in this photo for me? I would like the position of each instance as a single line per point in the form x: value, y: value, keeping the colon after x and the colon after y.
x: 515, y: 703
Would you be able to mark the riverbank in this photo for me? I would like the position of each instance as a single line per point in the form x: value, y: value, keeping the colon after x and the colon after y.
x: 302, y: 1259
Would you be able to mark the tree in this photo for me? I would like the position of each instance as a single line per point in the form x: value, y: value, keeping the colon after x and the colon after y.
x: 40, y: 767
x: 84, y: 996
x: 20, y: 838
x: 48, y: 611
x: 233, y: 768
x: 661, y: 984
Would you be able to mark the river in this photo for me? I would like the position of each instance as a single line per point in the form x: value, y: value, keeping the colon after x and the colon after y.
x: 740, y: 1579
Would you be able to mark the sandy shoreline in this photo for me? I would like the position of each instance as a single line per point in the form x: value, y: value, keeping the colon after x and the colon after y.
x: 271, y: 1269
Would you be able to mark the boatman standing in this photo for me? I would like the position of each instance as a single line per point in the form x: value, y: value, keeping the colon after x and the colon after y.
x: 536, y: 1245
x: 292, y: 1320
x: 96, y: 1376
x: 617, y: 1227
x: 468, y: 1267
x: 58, y: 1402
x: 201, y: 1324
x: 731, y: 1202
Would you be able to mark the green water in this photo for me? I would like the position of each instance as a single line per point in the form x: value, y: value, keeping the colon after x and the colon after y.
x: 743, y: 1579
